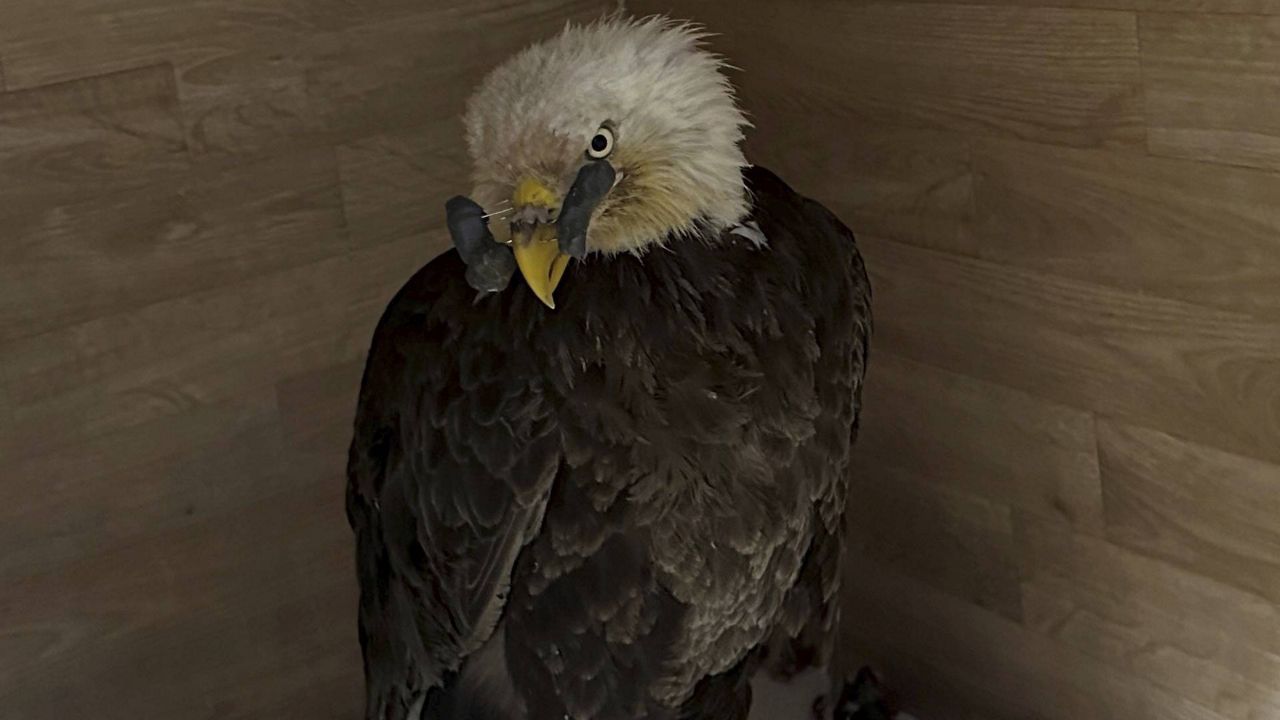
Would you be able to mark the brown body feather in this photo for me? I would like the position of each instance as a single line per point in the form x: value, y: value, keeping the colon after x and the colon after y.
x: 620, y: 503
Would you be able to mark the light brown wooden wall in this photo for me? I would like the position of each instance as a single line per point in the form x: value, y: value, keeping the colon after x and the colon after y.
x: 204, y: 205
x: 1067, y: 498
x: 1067, y: 492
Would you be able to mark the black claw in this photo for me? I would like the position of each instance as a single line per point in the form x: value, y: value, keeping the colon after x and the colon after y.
x: 819, y: 709
x: 492, y: 271
x: 490, y: 264
x: 468, y: 227
x: 864, y: 698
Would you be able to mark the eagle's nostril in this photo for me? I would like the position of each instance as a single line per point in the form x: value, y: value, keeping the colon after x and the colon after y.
x: 530, y: 215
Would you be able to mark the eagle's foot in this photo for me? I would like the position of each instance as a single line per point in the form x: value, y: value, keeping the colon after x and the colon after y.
x: 821, y: 709
x: 865, y: 698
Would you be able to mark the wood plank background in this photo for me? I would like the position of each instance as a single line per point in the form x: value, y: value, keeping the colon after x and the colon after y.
x: 1067, y: 493
x: 205, y: 206
x: 1067, y: 499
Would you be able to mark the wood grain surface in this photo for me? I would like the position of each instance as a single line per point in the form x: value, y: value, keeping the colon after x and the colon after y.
x: 954, y: 541
x: 1213, y: 87
x: 1172, y: 228
x: 984, y: 439
x: 1187, y: 369
x: 1248, y: 7
x: 205, y: 209
x: 961, y: 662
x: 80, y: 137
x: 132, y: 248
x: 1065, y: 493
x: 1204, y: 640
x: 1207, y: 510
x: 1068, y: 76
x: 393, y: 183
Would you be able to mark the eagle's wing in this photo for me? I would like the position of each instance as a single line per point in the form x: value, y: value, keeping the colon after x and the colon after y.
x: 839, y: 292
x: 453, y: 455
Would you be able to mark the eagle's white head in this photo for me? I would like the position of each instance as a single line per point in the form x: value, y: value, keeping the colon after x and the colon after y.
x: 643, y: 105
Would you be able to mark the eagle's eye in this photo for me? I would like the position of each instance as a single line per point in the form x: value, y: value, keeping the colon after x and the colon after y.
x: 601, y: 143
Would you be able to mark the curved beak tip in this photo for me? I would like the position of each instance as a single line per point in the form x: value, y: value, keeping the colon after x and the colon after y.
x: 541, y: 262
x: 540, y: 256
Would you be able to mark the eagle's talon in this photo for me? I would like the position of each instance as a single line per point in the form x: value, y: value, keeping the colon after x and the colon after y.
x: 820, y: 708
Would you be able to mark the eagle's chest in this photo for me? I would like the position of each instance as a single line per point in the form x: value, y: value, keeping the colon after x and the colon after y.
x: 681, y: 426
x: 685, y: 403
x: 677, y: 490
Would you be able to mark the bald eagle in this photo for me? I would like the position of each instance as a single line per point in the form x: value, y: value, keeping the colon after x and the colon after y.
x: 612, y: 487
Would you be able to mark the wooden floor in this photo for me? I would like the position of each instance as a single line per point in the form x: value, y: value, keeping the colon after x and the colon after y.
x: 1067, y: 499
x: 204, y: 206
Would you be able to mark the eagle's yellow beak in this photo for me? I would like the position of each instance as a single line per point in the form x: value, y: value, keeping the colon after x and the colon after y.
x: 533, y: 239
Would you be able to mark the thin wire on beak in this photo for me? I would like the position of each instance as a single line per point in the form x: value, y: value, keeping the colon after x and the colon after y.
x: 503, y: 209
